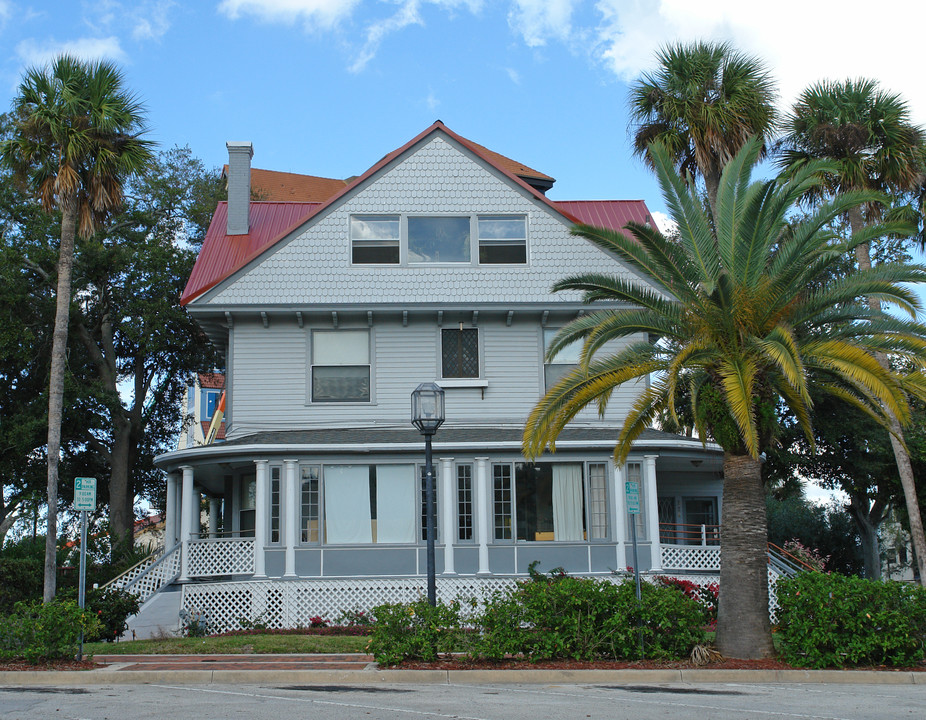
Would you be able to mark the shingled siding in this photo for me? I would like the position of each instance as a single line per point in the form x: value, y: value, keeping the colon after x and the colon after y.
x: 271, y: 389
x: 314, y: 268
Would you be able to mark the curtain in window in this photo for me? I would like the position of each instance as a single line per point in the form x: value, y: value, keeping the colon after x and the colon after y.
x: 567, y: 502
x: 347, y: 504
x: 395, y: 503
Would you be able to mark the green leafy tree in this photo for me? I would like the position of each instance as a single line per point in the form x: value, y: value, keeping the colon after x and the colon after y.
x: 752, y: 318
x: 77, y: 137
x: 139, y: 346
x: 703, y: 102
x: 867, y: 134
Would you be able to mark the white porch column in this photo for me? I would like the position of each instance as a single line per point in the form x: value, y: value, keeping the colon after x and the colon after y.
x: 291, y: 526
x: 187, y: 507
x: 652, y: 509
x: 213, y: 516
x: 261, y: 494
x: 620, y: 518
x: 448, y: 518
x: 170, y: 512
x: 482, y: 513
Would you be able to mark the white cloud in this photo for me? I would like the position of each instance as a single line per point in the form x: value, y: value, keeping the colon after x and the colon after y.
x: 513, y: 75
x: 538, y: 21
x: 151, y: 21
x: 664, y: 223
x: 432, y: 102
x: 323, y: 14
x: 802, y: 42
x: 33, y: 53
x: 406, y: 15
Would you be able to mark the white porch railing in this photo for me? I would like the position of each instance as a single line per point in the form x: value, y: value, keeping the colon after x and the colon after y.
x: 210, y: 557
x: 150, y: 575
x: 690, y: 558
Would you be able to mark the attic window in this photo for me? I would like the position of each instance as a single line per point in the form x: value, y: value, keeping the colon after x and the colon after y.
x: 438, y: 239
x: 502, y: 240
x: 374, y: 239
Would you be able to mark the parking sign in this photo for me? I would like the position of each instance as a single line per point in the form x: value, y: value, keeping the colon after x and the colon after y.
x: 85, y: 494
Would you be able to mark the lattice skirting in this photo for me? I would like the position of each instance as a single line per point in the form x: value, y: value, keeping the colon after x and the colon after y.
x: 691, y: 557
x: 291, y: 603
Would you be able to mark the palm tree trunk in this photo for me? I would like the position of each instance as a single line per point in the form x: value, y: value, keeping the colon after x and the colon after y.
x: 743, y: 627
x: 56, y: 388
x: 901, y: 456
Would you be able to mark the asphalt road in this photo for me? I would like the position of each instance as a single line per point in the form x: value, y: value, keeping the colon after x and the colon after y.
x: 714, y: 701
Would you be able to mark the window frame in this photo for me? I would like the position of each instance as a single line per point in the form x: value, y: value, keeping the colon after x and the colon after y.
x: 461, y: 359
x: 313, y: 339
x: 403, y: 247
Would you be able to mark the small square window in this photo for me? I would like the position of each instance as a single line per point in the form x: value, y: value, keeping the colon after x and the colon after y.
x: 502, y: 240
x: 460, y: 353
x: 374, y: 239
x: 566, y: 360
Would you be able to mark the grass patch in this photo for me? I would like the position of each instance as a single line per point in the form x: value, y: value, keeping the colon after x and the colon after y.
x: 234, y: 645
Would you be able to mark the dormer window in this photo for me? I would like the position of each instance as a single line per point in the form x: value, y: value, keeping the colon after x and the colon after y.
x: 438, y: 239
x: 374, y: 239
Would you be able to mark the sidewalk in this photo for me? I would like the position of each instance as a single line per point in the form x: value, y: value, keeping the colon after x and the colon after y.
x: 346, y: 669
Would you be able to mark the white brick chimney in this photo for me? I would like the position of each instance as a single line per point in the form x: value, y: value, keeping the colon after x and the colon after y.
x: 239, y: 187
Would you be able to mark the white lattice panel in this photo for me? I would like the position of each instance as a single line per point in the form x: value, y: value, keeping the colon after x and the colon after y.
x: 691, y: 558
x: 133, y: 572
x: 161, y: 573
x: 221, y: 556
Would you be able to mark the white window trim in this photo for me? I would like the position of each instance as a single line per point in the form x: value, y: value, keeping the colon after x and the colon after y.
x: 310, y: 340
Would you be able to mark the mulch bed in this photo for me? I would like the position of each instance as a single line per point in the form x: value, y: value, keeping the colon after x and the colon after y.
x: 49, y: 665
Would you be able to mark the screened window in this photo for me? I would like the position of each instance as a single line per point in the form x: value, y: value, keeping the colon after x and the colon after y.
x: 308, y: 479
x: 247, y: 500
x: 597, y: 501
x: 438, y: 239
x: 549, y: 501
x: 370, y: 504
x: 460, y: 353
x: 374, y: 239
x: 501, y: 489
x: 275, y: 504
x: 340, y: 366
x: 565, y: 361
x: 635, y: 474
x: 424, y: 503
x: 502, y: 240
x: 464, y: 502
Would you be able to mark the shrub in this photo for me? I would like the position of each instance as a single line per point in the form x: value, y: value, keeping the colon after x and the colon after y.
x: 414, y: 631
x: 706, y: 595
x: 559, y: 616
x: 20, y: 581
x: 834, y: 620
x: 37, y: 632
x: 112, y: 607
x: 354, y: 618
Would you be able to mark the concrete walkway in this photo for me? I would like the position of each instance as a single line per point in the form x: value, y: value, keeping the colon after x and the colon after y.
x: 346, y: 669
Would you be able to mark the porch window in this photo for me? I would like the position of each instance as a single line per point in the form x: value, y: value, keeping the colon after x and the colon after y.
x: 340, y: 366
x: 374, y: 239
x: 423, y: 496
x: 635, y: 474
x: 275, y: 505
x: 439, y: 239
x: 597, y: 501
x: 502, y: 240
x: 247, y: 499
x: 460, y: 353
x: 308, y: 478
x: 369, y: 504
x: 464, y: 502
x: 565, y: 361
x: 549, y: 501
x: 501, y: 489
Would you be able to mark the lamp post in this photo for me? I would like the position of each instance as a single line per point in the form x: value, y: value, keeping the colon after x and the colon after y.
x: 427, y: 416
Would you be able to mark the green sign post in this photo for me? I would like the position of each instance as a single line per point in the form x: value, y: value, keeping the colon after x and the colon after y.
x: 85, y: 501
x: 632, y: 495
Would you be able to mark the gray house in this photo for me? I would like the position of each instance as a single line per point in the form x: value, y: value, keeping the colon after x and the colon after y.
x: 330, y: 306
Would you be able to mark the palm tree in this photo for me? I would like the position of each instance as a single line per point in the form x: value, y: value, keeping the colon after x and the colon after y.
x: 746, y: 314
x: 703, y: 103
x: 76, y: 139
x: 868, y: 135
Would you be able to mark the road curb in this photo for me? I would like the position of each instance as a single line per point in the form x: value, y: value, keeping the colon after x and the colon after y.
x: 107, y: 676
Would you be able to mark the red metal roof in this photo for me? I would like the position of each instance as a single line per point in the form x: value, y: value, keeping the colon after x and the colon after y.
x: 612, y: 214
x: 222, y: 255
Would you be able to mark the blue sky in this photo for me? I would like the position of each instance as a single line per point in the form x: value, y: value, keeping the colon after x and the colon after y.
x: 327, y: 87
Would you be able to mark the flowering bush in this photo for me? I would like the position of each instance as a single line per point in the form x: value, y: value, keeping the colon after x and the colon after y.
x: 706, y: 595
x: 808, y: 556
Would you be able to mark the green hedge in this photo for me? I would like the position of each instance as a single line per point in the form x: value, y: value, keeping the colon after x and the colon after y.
x: 547, y: 617
x: 836, y: 621
x: 37, y: 632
